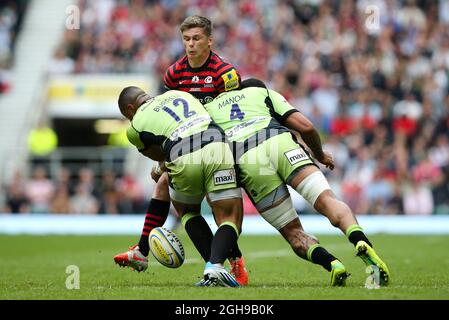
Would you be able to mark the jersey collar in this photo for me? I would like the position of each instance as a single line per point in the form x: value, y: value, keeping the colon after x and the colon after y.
x: 203, y: 65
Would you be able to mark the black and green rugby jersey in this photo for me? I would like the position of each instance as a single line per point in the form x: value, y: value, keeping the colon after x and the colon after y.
x: 243, y: 113
x: 167, y: 118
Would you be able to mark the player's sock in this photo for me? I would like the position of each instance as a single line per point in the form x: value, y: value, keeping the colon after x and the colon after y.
x: 199, y: 232
x: 156, y: 216
x: 355, y: 234
x: 223, y: 242
x: 235, y: 252
x: 318, y: 255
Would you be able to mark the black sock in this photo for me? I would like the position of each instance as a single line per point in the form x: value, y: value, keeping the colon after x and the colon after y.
x: 201, y: 235
x: 322, y: 257
x: 224, y: 241
x: 235, y: 252
x: 156, y: 216
x: 357, y: 236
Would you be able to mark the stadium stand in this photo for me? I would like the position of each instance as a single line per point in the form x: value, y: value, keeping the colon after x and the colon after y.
x: 378, y: 93
x: 11, y: 16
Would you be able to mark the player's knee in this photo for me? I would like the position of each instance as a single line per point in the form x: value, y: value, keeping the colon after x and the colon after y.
x: 228, y: 210
x: 281, y: 215
x: 313, y: 187
x: 273, y: 199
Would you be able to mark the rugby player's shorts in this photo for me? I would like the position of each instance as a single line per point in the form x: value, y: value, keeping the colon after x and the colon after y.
x: 207, y: 170
x: 268, y: 165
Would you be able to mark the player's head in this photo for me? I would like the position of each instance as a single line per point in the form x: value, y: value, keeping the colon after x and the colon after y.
x: 196, y: 36
x: 130, y: 99
x: 252, y: 82
x: 197, y: 22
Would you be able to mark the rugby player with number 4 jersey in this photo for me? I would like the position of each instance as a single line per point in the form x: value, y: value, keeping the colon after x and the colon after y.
x: 257, y: 121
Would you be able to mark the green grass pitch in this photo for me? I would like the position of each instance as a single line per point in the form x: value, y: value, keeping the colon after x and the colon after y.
x: 34, y: 267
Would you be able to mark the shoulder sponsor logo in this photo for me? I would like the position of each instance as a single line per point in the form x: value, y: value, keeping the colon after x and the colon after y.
x: 208, y: 79
x: 295, y: 156
x: 231, y: 80
x: 224, y: 177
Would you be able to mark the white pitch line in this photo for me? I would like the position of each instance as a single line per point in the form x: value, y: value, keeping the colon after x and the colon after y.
x: 268, y: 254
x: 256, y: 255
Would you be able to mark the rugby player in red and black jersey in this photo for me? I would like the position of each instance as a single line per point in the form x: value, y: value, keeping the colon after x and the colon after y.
x: 204, y: 79
x: 204, y: 74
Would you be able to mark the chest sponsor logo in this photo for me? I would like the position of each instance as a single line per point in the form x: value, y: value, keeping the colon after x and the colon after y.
x: 295, y: 156
x: 208, y: 79
x: 224, y: 177
x: 238, y: 128
x: 206, y: 100
x: 188, y: 125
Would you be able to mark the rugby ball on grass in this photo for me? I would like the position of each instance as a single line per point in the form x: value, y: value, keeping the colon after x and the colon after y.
x: 166, y: 247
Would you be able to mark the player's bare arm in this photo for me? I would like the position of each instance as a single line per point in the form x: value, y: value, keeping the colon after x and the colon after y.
x: 298, y: 122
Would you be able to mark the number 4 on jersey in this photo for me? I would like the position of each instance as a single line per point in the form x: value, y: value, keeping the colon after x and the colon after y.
x: 236, y: 113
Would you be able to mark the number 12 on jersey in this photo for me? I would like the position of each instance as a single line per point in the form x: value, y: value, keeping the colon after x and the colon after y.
x: 187, y: 113
x: 236, y: 113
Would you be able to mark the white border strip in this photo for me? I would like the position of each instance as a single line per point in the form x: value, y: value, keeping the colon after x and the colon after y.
x: 132, y: 224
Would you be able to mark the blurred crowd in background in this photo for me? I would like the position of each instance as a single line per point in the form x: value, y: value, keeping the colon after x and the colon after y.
x: 11, y: 14
x: 74, y: 192
x: 377, y: 89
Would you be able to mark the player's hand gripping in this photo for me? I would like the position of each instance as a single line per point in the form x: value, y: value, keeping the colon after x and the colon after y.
x: 157, y: 170
x: 327, y: 160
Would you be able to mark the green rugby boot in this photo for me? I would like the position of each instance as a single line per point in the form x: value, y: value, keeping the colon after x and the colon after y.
x: 338, y: 274
x: 369, y: 256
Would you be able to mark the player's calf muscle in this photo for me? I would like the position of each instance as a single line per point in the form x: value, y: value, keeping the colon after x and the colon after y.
x: 228, y: 210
